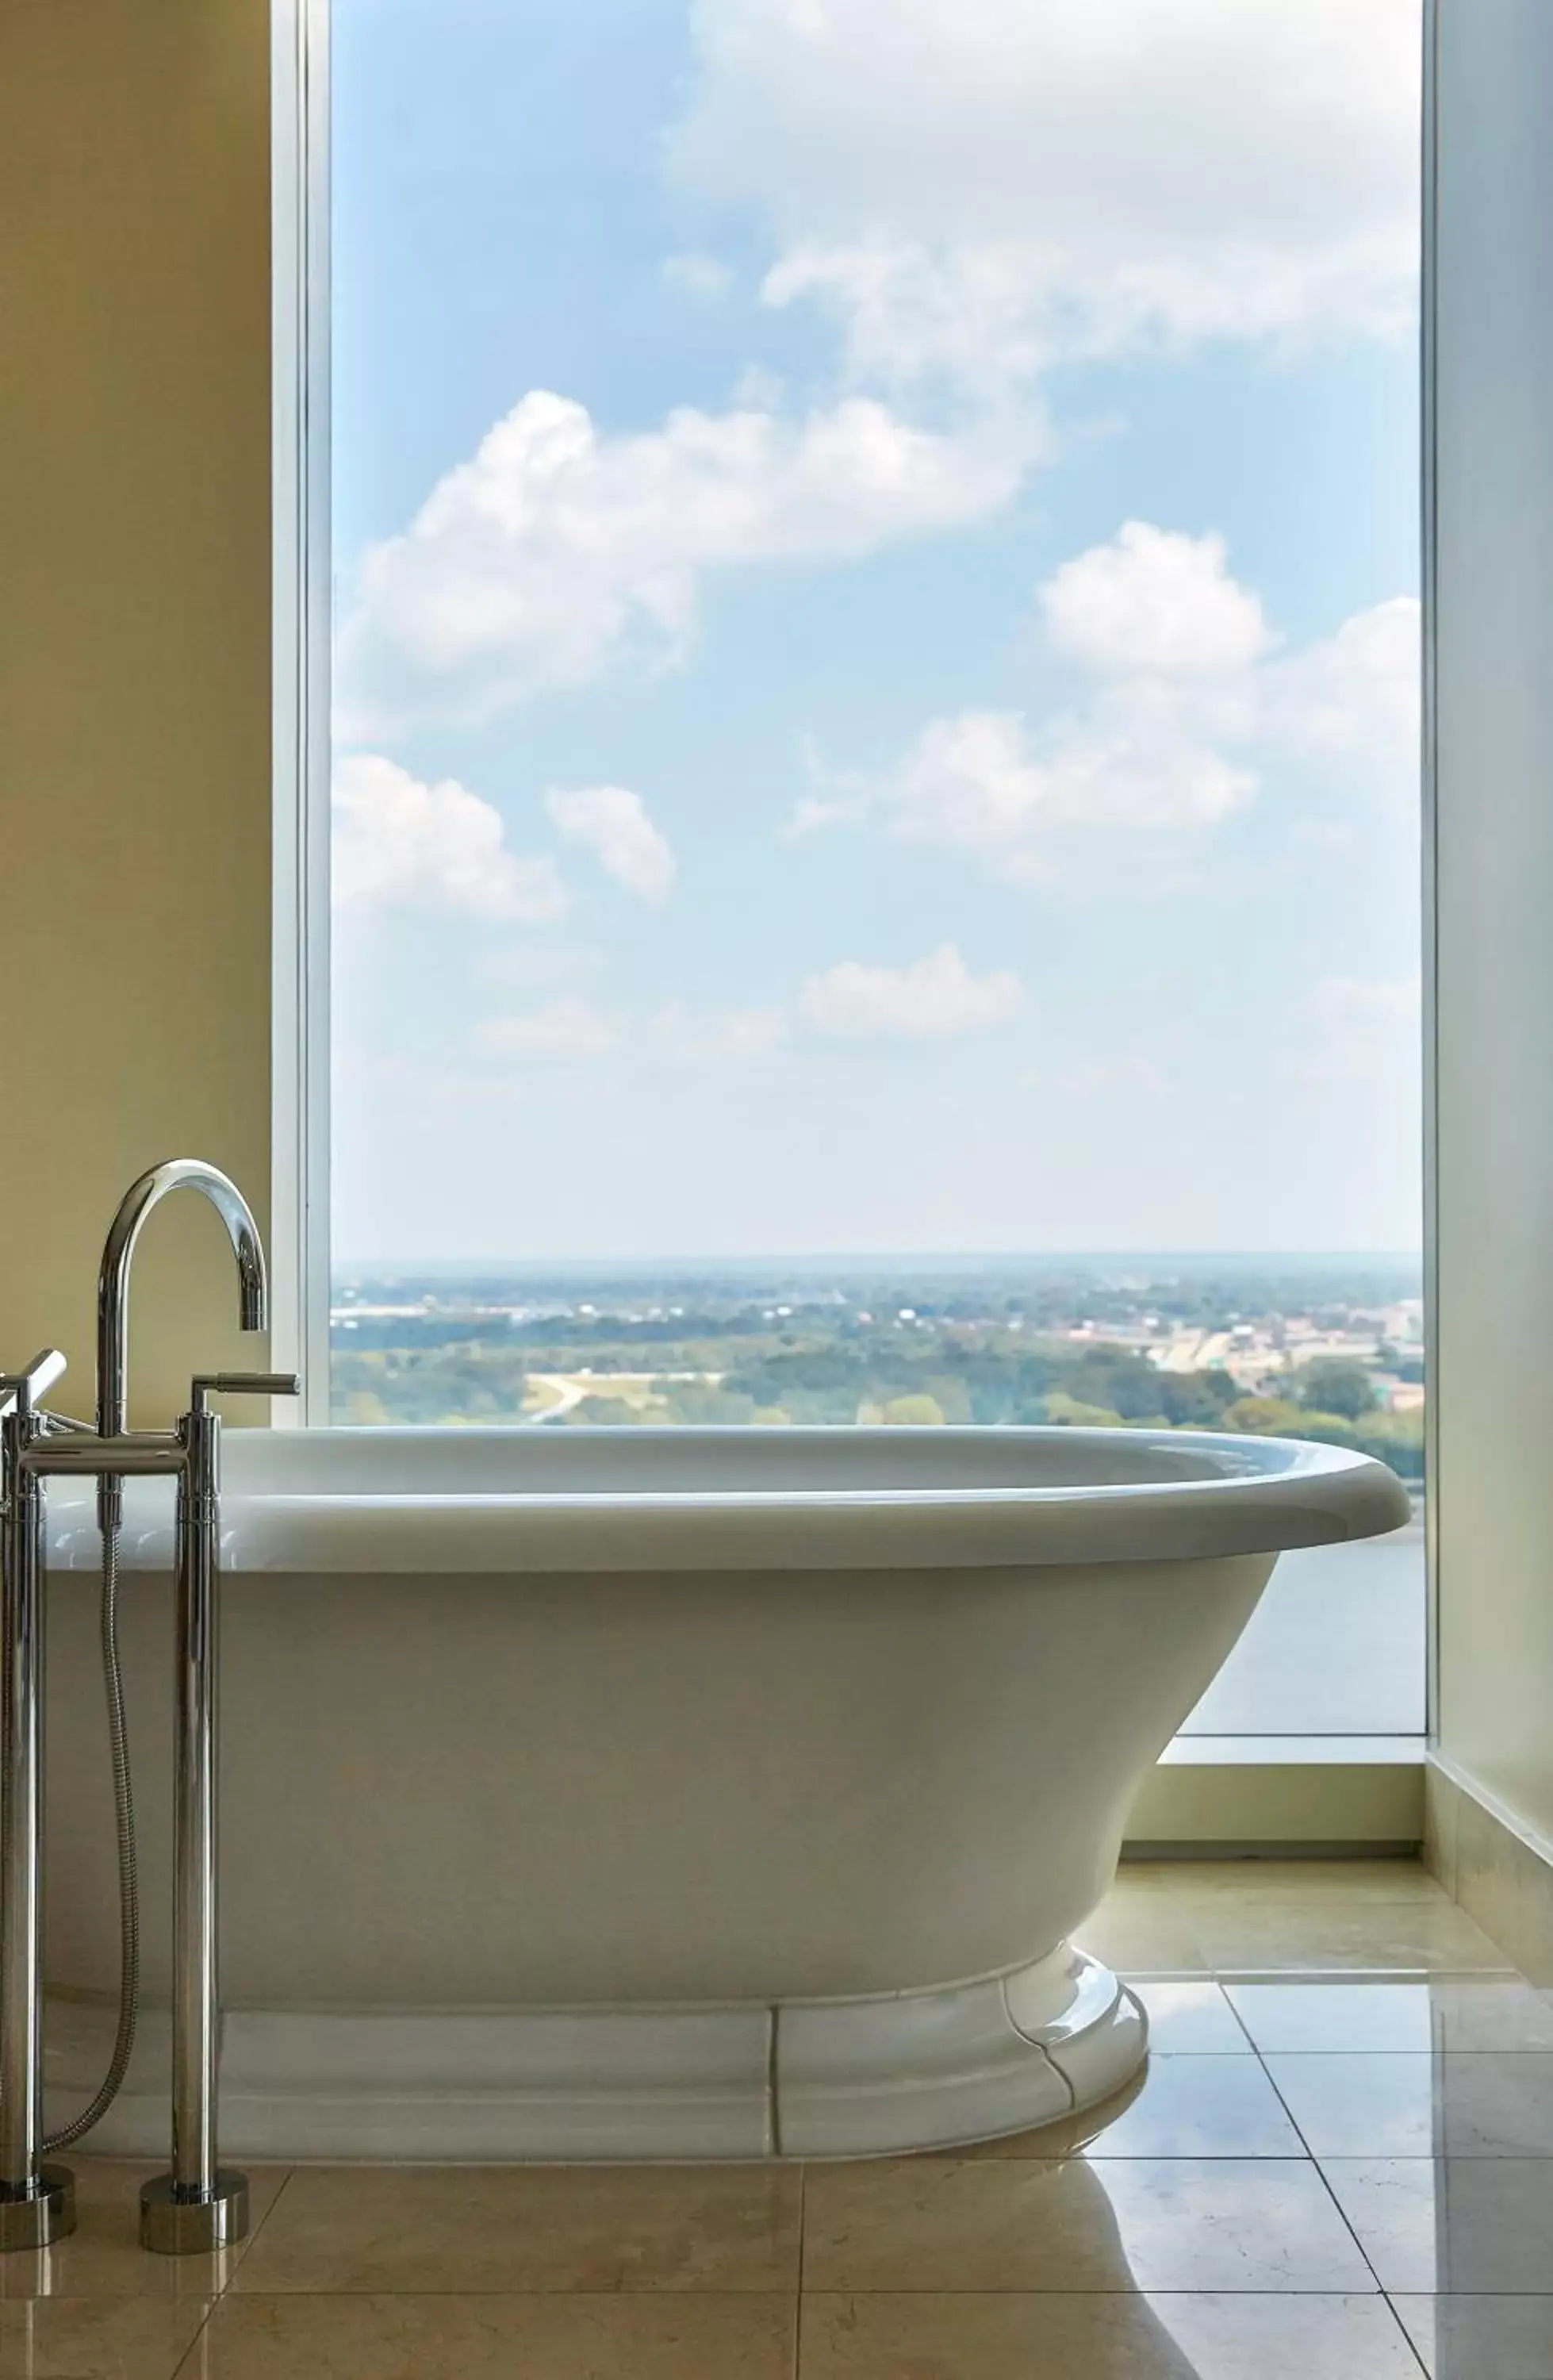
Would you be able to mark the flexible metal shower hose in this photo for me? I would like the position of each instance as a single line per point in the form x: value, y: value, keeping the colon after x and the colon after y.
x: 128, y: 1872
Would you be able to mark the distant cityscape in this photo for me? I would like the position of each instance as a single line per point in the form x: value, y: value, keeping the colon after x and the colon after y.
x: 1318, y: 1347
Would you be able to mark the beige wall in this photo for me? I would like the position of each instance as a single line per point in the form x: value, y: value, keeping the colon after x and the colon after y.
x: 134, y: 658
x: 1494, y: 1482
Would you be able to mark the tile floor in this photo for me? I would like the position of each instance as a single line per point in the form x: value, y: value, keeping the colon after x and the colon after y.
x: 1337, y: 2166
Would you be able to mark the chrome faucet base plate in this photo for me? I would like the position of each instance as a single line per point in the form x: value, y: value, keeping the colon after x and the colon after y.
x: 171, y: 2226
x: 46, y: 2215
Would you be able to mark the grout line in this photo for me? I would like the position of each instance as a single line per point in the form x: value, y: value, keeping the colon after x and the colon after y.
x: 1294, y: 2125
x: 253, y: 2235
x: 186, y: 2362
x: 773, y: 2099
x: 1413, y: 2349
x: 1326, y: 2184
x: 1223, y: 1991
x: 1345, y: 1975
x: 532, y: 2293
x: 799, y: 2294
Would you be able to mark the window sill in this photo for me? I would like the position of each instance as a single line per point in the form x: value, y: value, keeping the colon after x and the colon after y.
x: 1295, y: 1751
x: 1342, y: 1794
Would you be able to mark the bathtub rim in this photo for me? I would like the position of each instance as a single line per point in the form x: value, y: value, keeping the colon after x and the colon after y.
x: 1263, y: 1495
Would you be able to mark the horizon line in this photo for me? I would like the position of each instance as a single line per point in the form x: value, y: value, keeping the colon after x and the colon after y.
x: 829, y: 1257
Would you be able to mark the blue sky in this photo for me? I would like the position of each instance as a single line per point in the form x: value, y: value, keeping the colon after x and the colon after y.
x: 874, y: 553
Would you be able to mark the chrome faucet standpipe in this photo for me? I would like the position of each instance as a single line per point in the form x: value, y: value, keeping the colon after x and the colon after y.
x: 37, y: 2201
x: 198, y: 2205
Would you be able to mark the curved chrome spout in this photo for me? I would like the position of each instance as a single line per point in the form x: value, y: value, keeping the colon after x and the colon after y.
x: 113, y: 1282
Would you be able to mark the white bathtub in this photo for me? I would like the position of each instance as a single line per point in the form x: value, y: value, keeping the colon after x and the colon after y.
x: 666, y: 1793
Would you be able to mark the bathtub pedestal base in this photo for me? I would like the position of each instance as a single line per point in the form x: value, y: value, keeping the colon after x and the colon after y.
x: 931, y: 2070
x: 841, y: 2078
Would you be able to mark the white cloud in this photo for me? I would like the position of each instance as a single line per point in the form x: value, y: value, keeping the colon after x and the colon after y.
x: 1355, y: 693
x: 693, y: 274
x: 735, y: 1035
x: 613, y: 824
x: 981, y: 778
x: 557, y: 553
x: 1167, y: 640
x: 564, y: 1029
x: 398, y: 841
x: 932, y: 998
x: 1155, y: 601
x: 570, y: 1028
x: 750, y: 1032
x: 837, y: 794
x: 1186, y: 696
x: 984, y: 187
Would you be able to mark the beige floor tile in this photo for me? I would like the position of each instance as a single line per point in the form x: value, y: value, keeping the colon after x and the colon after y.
x: 1012, y: 2224
x: 1272, y: 1881
x: 1180, y: 2107
x: 1144, y: 1930
x: 496, y: 2338
x: 1459, y: 2013
x: 1189, y: 2018
x: 1054, y: 2337
x: 1481, y: 2337
x: 1456, y: 2225
x: 99, y: 2338
x: 515, y: 2227
x: 1413, y: 2104
x: 104, y: 2257
x: 1250, y: 1937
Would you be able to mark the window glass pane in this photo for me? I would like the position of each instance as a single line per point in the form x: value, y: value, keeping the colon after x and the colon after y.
x: 876, y: 689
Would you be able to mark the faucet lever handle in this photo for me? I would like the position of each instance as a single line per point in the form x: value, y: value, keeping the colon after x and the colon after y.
x: 45, y: 1367
x: 244, y: 1384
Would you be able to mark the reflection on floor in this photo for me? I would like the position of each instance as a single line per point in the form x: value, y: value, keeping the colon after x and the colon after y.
x: 1338, y: 2166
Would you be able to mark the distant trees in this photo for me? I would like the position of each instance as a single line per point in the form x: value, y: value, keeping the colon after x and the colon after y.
x: 691, y: 1401
x: 1393, y: 1439
x: 912, y: 1411
x: 1194, y: 1399
x: 1128, y: 1385
x: 1266, y: 1416
x: 1070, y: 1413
x: 837, y: 1370
x: 609, y: 1412
x: 1335, y: 1384
x: 426, y: 1385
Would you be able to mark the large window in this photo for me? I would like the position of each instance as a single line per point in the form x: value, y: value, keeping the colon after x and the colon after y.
x: 875, y: 786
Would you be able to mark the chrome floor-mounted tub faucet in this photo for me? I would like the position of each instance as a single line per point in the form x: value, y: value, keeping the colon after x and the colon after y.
x: 198, y: 2206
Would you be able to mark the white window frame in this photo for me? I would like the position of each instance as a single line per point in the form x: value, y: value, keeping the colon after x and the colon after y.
x: 299, y: 1170
x: 1428, y: 561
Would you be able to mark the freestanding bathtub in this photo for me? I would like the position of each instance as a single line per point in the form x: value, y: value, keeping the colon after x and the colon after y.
x: 663, y: 1793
